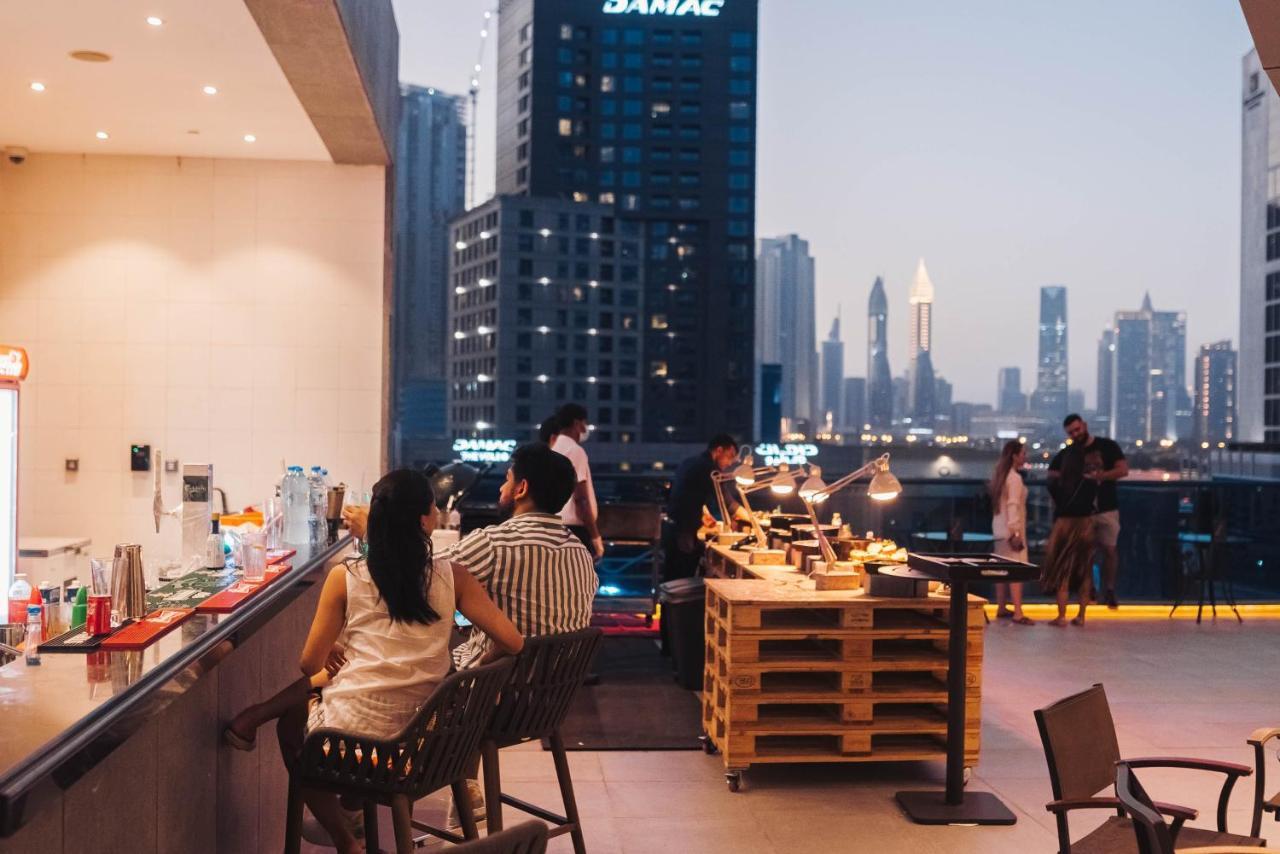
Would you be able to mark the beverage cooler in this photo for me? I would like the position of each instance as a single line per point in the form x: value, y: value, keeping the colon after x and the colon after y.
x: 13, y: 370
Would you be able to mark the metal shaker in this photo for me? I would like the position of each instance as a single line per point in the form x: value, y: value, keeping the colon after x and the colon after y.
x: 337, y: 494
x: 128, y: 586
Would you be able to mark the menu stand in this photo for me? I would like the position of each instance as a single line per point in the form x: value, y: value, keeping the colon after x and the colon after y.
x: 953, y: 805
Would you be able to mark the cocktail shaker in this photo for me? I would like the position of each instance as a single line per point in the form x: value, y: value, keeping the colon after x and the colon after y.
x: 337, y: 494
x: 128, y: 585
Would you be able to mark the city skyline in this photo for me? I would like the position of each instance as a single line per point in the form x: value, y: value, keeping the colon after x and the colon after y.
x: 1060, y: 169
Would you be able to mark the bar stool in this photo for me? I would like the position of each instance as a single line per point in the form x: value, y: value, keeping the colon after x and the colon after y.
x: 533, y: 704
x: 432, y: 752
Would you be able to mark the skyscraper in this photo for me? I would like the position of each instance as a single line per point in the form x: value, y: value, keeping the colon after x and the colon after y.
x: 1106, y: 382
x: 1258, y: 377
x: 652, y: 114
x: 919, y: 342
x: 1215, y: 384
x: 785, y: 322
x: 431, y: 163
x: 1148, y: 373
x: 879, y: 379
x: 1009, y: 396
x: 1050, y: 396
x: 855, y: 405
x: 833, y: 376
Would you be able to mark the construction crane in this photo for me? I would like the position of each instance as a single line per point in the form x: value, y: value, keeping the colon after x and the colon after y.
x: 473, y: 94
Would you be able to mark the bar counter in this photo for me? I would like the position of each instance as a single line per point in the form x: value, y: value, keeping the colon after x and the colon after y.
x: 122, y: 750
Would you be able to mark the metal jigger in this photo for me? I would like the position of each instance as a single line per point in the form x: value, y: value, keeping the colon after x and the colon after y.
x: 128, y: 586
x: 337, y: 494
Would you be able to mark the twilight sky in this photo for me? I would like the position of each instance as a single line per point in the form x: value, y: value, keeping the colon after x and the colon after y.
x: 1094, y: 144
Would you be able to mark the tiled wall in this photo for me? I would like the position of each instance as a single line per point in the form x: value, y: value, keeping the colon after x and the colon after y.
x: 228, y: 311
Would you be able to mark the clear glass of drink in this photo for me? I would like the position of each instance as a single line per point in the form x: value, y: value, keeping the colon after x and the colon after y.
x: 255, y: 555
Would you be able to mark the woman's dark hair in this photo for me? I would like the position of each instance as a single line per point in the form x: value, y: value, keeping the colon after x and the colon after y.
x: 1007, y: 455
x: 399, y: 557
x: 550, y: 475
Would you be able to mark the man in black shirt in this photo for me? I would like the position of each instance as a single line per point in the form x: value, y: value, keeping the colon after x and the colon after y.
x: 692, y: 492
x: 1078, y: 476
x: 1104, y: 464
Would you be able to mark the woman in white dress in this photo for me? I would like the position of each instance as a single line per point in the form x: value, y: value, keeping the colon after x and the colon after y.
x: 1009, y: 524
x: 379, y: 643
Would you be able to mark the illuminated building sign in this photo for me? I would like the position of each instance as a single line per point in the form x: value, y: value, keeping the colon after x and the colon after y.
x: 791, y: 454
x: 13, y: 363
x: 675, y: 8
x: 484, y: 450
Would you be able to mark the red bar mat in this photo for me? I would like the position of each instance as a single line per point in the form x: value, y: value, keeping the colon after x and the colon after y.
x: 234, y: 596
x: 279, y: 555
x: 144, y: 632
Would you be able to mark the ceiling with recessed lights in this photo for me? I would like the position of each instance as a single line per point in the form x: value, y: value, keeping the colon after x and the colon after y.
x: 203, y: 82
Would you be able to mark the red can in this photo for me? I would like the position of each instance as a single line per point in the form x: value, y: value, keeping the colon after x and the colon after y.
x: 98, y: 616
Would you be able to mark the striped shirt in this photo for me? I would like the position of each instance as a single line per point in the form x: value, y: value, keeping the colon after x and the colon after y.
x: 537, y: 572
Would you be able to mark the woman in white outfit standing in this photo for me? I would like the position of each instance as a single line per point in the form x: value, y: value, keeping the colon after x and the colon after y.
x: 1009, y: 524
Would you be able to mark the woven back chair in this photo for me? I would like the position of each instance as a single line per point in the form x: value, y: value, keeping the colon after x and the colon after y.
x: 534, y: 703
x: 1080, y: 746
x: 432, y: 752
x: 527, y: 838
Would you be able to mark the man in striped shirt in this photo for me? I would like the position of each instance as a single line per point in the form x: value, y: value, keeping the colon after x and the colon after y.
x: 537, y: 572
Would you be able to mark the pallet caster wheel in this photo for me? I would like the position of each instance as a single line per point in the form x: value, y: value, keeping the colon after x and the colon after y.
x: 708, y: 746
x: 968, y: 773
x: 734, y: 779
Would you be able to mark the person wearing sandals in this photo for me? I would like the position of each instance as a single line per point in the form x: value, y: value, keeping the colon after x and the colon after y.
x: 1068, y: 556
x: 379, y: 643
x: 1009, y: 524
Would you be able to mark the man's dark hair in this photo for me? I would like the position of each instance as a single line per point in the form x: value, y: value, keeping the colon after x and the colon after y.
x: 1070, y: 419
x: 550, y: 475
x: 571, y: 412
x: 722, y: 440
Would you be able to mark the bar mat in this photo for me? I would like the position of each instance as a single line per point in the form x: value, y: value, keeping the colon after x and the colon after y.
x: 144, y: 632
x: 234, y: 596
x: 73, y: 640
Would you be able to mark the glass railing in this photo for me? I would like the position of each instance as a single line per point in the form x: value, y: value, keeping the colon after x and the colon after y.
x: 1170, y: 531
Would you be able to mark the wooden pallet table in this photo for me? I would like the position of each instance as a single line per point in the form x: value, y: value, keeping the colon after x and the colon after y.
x: 797, y: 675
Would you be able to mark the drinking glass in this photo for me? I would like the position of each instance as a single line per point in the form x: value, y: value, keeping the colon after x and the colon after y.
x: 255, y: 556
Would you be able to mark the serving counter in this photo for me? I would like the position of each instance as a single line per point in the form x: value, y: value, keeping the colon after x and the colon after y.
x: 121, y: 750
x: 797, y: 674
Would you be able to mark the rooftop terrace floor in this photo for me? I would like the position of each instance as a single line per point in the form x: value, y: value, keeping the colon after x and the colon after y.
x: 1175, y: 689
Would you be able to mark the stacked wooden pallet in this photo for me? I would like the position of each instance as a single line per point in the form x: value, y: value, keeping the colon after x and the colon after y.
x: 800, y: 675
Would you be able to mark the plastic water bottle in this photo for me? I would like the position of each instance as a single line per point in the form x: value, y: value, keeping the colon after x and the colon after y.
x: 297, y: 509
x: 35, y: 633
x: 319, y: 494
x: 19, y: 596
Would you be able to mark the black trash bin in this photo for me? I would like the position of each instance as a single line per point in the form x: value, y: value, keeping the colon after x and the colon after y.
x: 683, y: 606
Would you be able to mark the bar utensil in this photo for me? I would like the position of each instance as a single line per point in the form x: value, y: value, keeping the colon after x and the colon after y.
x: 337, y: 495
x: 128, y: 584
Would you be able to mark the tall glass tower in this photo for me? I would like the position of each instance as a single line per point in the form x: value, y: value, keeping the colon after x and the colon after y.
x: 650, y: 108
x: 879, y: 380
x: 1050, y: 397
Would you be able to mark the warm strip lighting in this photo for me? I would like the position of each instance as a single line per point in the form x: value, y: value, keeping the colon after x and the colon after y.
x: 210, y: 90
x: 102, y: 134
x: 37, y: 86
x: 248, y: 137
x: 154, y: 21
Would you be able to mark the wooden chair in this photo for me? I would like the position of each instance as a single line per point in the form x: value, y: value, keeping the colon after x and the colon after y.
x: 533, y: 705
x: 432, y: 752
x: 529, y: 837
x: 1153, y: 834
x: 1079, y: 738
x: 1261, y: 804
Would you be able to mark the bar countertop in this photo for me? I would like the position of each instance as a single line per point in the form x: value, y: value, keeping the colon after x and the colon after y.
x: 64, y: 716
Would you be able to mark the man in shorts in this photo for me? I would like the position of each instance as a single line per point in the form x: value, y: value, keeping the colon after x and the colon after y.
x: 1104, y: 464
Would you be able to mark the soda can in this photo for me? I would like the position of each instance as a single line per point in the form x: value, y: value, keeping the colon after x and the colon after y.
x: 98, y: 618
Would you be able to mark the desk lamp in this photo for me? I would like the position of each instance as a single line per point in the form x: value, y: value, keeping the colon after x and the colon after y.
x: 744, y: 475
x: 883, y: 487
x: 782, y: 482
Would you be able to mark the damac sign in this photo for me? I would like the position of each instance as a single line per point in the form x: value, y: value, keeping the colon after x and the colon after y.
x: 484, y: 450
x: 676, y: 8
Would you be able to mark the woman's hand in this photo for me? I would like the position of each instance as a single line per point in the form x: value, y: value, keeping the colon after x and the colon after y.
x: 1016, y: 542
x: 357, y: 518
x: 335, y: 660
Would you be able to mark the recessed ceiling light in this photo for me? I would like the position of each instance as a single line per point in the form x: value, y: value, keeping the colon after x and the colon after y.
x: 210, y: 90
x: 37, y: 86
x: 90, y: 56
x: 102, y: 134
x: 248, y: 137
x: 154, y: 21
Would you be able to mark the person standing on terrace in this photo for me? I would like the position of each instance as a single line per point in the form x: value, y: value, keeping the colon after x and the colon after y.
x: 579, y: 513
x: 1009, y: 524
x: 1105, y: 464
